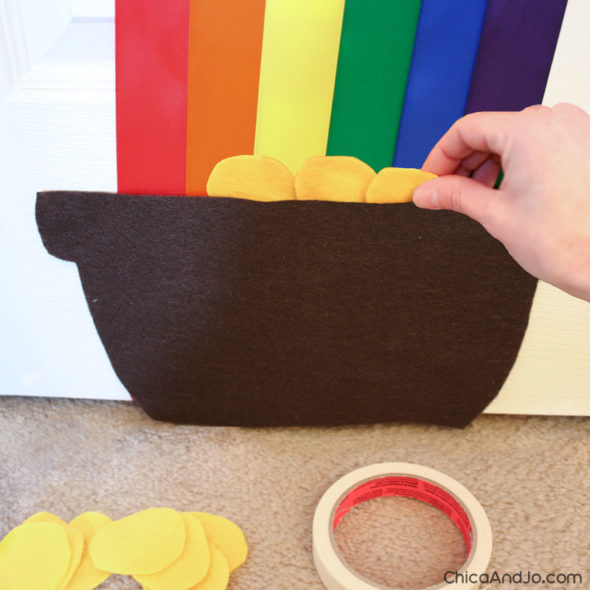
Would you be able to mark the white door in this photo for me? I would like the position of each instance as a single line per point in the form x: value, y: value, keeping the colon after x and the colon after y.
x: 57, y: 131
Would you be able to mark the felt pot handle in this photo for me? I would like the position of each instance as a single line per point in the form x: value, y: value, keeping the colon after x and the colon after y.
x: 62, y: 225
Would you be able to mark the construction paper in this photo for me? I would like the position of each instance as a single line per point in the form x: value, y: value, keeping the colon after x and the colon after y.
x: 152, y: 39
x: 298, y: 69
x: 87, y: 575
x: 34, y: 555
x: 396, y: 185
x: 251, y: 177
x: 76, y: 541
x: 333, y: 178
x: 190, y: 568
x: 146, y: 542
x: 235, y: 312
x: 226, y: 536
x: 516, y: 49
x: 217, y: 577
x: 373, y: 66
x: 447, y: 39
x: 224, y: 71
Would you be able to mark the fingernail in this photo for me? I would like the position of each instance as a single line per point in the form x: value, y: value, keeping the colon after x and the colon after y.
x: 426, y: 198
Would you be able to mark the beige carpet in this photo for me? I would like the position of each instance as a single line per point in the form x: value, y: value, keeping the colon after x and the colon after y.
x: 532, y: 475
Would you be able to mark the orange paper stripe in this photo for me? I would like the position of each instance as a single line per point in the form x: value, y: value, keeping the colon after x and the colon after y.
x: 224, y: 70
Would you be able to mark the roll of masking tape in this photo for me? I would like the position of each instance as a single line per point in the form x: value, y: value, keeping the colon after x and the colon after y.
x: 409, y: 481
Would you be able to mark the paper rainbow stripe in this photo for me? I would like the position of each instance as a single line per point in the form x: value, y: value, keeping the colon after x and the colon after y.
x: 202, y: 80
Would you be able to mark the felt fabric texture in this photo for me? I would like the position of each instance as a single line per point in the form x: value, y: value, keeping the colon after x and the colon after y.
x: 217, y: 577
x: 396, y: 185
x: 234, y: 312
x: 223, y: 77
x: 142, y: 543
x: 333, y: 178
x: 87, y: 574
x: 226, y: 536
x: 152, y: 39
x: 251, y: 177
x: 35, y: 555
x: 298, y: 69
x: 373, y: 65
x: 446, y: 45
x: 516, y: 49
x: 529, y: 473
x: 76, y: 542
x: 190, y: 568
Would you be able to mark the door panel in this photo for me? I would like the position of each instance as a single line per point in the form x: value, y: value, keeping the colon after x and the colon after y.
x: 57, y: 131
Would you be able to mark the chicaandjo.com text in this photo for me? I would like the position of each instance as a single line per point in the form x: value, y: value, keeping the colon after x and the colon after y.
x: 520, y: 577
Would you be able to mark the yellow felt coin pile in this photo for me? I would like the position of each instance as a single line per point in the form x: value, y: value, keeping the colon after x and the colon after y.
x: 323, y: 178
x: 161, y: 548
x: 243, y: 176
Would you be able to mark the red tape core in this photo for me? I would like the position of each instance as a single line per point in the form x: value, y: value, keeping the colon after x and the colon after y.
x: 409, y: 487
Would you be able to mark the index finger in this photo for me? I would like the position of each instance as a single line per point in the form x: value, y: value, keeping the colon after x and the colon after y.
x: 484, y: 132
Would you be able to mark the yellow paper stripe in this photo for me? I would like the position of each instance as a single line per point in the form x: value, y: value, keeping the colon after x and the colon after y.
x: 298, y: 73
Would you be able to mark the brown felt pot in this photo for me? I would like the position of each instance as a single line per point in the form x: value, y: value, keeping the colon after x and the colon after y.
x: 233, y: 312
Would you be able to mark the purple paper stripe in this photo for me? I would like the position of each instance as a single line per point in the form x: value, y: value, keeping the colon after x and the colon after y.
x: 516, y: 49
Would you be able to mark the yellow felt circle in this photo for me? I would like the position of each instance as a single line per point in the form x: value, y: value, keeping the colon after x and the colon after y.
x: 333, y: 178
x: 217, y: 577
x: 45, y: 517
x: 87, y: 575
x: 34, y: 555
x: 76, y: 541
x: 190, y: 568
x: 396, y: 185
x: 90, y: 522
x: 144, y: 543
x: 226, y: 536
x: 251, y: 177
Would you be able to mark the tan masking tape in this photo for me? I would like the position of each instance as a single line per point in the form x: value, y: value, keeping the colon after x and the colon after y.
x: 410, y: 481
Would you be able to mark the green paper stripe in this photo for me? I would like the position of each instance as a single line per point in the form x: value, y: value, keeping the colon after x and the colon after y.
x: 373, y: 66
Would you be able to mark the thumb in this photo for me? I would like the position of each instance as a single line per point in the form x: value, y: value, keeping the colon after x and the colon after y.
x: 461, y: 194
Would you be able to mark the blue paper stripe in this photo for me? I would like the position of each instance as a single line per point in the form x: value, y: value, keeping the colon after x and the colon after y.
x: 445, y: 50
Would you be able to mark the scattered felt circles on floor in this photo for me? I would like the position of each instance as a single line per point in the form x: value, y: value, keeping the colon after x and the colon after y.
x: 76, y: 542
x: 226, y: 536
x: 35, y: 555
x: 88, y: 575
x: 143, y: 543
x: 45, y: 517
x: 161, y: 548
x: 191, y: 566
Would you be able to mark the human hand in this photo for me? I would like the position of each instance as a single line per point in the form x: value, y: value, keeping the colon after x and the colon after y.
x: 541, y: 211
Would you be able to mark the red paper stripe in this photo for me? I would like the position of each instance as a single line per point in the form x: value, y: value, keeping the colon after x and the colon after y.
x: 224, y: 73
x: 152, y: 38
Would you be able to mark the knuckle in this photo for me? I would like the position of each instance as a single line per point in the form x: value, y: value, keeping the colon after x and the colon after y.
x: 568, y: 109
x: 536, y: 112
x: 536, y: 108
